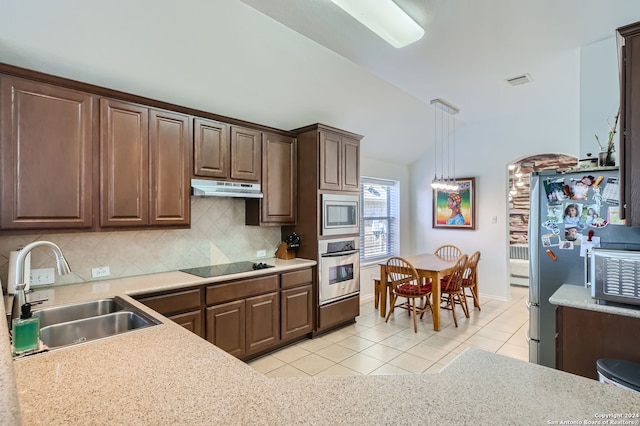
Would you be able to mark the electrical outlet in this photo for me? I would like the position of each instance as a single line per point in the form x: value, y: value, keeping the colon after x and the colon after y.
x: 41, y: 276
x: 101, y: 272
x: 261, y: 253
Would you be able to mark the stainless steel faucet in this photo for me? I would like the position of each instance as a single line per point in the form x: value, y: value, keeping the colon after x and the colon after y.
x: 20, y: 297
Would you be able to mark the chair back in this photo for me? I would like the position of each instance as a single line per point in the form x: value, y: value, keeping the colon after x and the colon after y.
x: 448, y: 251
x: 471, y: 270
x: 402, y: 273
x: 452, y: 283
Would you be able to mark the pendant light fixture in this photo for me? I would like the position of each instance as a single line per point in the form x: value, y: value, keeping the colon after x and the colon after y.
x: 445, y: 112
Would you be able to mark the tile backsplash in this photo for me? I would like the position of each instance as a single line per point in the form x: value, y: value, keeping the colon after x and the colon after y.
x: 217, y: 235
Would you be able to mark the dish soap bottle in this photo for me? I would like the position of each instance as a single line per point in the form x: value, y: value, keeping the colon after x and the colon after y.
x: 26, y: 331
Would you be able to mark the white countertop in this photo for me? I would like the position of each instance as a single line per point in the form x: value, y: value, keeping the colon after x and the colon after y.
x: 575, y: 296
x: 167, y: 375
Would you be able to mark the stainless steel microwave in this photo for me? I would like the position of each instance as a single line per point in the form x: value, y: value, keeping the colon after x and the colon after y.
x: 340, y: 214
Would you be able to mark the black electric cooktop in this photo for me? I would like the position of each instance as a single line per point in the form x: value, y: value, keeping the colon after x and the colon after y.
x: 225, y: 269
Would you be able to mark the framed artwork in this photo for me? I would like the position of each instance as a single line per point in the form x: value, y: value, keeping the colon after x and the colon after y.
x: 456, y: 210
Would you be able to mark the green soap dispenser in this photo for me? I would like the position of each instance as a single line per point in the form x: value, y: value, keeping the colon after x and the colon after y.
x: 26, y: 331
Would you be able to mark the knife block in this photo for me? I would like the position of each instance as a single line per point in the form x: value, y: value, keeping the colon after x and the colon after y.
x: 283, y: 253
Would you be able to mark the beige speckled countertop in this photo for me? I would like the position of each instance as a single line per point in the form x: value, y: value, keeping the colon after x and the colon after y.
x: 575, y: 296
x: 166, y: 375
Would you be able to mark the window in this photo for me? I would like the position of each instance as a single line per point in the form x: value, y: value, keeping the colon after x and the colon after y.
x: 379, y: 219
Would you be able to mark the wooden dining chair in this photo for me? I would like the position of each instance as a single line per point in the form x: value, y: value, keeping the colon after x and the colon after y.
x: 405, y: 282
x: 451, y: 288
x: 470, y: 280
x: 448, y: 251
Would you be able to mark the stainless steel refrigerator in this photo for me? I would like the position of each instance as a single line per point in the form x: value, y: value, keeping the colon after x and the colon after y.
x: 565, y: 210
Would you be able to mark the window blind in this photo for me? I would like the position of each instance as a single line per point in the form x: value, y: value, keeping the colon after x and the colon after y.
x: 379, y: 219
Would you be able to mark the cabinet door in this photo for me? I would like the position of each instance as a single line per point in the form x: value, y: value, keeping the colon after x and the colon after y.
x: 296, y: 311
x: 46, y: 150
x: 279, y: 165
x: 246, y: 154
x: 225, y: 327
x: 263, y: 322
x: 330, y: 161
x: 192, y: 321
x: 630, y: 125
x: 350, y: 164
x: 169, y: 141
x: 210, y: 149
x: 124, y: 164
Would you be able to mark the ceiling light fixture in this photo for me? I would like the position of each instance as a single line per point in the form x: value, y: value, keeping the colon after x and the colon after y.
x: 449, y: 184
x: 385, y: 18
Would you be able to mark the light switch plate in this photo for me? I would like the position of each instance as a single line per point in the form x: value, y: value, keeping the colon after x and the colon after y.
x: 261, y: 253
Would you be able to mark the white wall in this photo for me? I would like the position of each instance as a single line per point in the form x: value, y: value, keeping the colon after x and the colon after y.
x: 484, y: 149
x: 599, y: 94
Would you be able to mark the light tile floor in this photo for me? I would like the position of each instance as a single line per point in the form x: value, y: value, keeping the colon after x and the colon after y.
x: 371, y: 346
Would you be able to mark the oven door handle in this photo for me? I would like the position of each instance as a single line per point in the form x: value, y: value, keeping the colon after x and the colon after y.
x: 340, y: 254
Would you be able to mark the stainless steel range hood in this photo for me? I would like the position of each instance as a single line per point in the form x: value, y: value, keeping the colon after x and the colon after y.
x: 216, y: 188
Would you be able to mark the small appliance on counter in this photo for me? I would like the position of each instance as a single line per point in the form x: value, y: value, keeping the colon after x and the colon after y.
x: 287, y: 249
x: 615, y: 276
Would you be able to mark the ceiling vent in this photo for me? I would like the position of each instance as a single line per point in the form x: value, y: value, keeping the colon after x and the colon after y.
x: 521, y: 79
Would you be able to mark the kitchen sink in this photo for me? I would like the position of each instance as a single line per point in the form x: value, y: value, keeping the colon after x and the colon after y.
x: 66, y: 313
x: 98, y: 327
x: 86, y: 321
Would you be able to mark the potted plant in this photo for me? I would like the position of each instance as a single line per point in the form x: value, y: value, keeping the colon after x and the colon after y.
x: 605, y: 157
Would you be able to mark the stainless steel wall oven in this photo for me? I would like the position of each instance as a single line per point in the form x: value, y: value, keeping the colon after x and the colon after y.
x: 339, y: 269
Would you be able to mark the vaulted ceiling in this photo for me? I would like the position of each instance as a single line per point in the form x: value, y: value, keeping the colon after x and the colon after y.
x: 470, y: 47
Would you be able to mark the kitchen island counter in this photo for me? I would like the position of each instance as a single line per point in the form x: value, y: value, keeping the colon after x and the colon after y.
x: 167, y: 375
x: 575, y: 296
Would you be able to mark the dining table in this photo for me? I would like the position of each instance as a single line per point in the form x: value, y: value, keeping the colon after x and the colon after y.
x: 429, y: 266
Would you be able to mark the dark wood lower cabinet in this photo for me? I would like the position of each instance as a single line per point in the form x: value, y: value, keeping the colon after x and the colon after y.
x: 340, y: 312
x: 226, y: 327
x: 262, y: 322
x: 181, y: 307
x: 584, y: 336
x: 247, y: 317
x: 192, y: 321
x: 297, y: 313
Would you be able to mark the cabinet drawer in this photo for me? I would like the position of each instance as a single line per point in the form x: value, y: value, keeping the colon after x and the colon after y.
x: 338, y: 312
x: 173, y: 302
x: 241, y: 289
x: 296, y: 278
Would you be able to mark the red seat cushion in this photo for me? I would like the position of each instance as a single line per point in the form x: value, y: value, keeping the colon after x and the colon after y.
x: 466, y: 282
x: 413, y: 289
x: 445, y: 285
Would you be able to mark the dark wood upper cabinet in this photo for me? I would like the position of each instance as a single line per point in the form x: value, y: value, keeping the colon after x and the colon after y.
x: 124, y: 164
x: 144, y: 172
x: 169, y: 159
x: 47, y: 148
x: 210, y: 149
x: 246, y: 154
x: 350, y: 164
x: 630, y: 125
x: 331, y: 167
x: 279, y: 184
x: 339, y: 159
x: 226, y: 152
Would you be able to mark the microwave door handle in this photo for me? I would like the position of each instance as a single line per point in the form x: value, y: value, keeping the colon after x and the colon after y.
x: 340, y: 254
